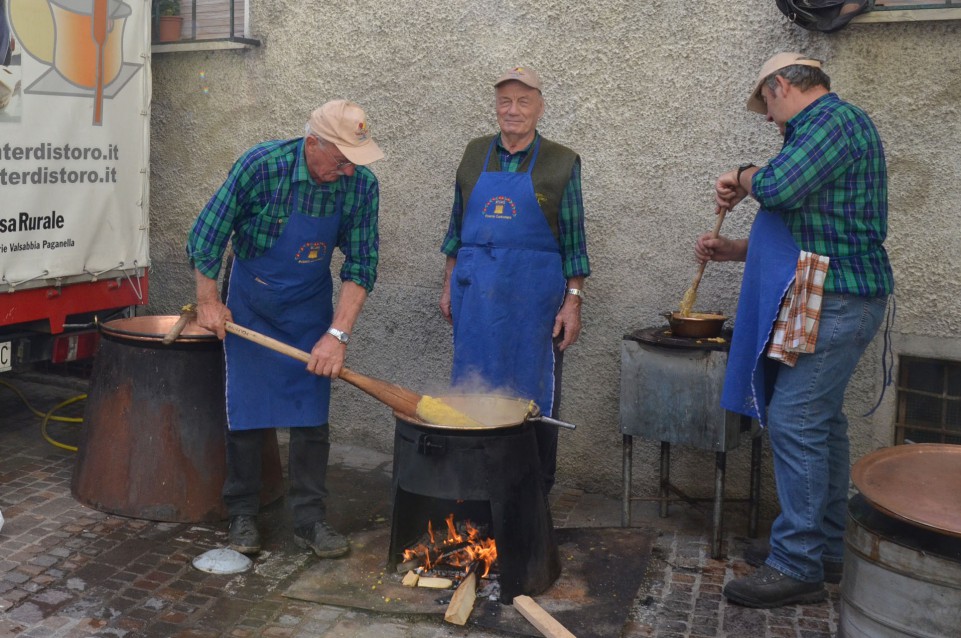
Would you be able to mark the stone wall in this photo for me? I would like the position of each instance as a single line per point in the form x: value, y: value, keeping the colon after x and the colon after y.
x: 651, y: 94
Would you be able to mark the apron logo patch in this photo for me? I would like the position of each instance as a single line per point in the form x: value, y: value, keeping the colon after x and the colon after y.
x: 500, y: 207
x: 310, y: 252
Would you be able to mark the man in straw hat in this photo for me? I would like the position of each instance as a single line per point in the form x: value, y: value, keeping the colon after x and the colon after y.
x: 516, y: 258
x: 814, y: 293
x: 284, y: 206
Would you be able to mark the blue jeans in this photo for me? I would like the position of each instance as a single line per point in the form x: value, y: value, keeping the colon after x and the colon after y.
x: 809, y: 438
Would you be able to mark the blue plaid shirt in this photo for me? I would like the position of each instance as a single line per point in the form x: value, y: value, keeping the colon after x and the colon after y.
x: 246, y: 208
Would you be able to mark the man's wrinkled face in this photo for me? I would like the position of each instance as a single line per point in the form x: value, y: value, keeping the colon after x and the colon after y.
x: 519, y: 107
x: 325, y: 162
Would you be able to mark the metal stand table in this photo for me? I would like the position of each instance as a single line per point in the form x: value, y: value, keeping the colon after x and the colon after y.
x: 670, y: 392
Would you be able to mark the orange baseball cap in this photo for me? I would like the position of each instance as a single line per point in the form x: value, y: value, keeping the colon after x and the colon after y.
x: 344, y: 124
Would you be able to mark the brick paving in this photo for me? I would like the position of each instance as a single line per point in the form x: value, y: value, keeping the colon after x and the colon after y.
x: 67, y: 570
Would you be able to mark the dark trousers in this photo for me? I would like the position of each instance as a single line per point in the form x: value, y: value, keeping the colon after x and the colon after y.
x: 307, y: 470
x: 547, y: 434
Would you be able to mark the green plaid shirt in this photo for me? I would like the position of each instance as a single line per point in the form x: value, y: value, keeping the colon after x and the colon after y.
x: 267, y: 184
x: 570, y: 216
x: 830, y: 185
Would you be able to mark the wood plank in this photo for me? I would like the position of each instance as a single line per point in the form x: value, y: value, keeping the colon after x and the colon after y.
x: 543, y: 621
x: 435, y: 583
x: 462, y: 602
x: 907, y: 15
x: 410, y: 580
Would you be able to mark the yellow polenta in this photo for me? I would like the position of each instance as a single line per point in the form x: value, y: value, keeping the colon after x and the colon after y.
x: 437, y: 412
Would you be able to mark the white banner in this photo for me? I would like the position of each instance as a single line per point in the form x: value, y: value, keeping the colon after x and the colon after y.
x: 74, y: 140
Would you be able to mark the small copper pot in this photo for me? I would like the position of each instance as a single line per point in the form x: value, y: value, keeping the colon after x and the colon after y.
x: 700, y: 325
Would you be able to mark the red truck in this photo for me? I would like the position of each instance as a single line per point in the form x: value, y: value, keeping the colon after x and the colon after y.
x: 74, y: 174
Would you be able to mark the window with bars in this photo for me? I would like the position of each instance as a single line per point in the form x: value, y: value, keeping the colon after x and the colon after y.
x: 209, y: 20
x: 928, y: 401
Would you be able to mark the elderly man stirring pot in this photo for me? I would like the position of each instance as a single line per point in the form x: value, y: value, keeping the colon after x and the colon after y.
x: 284, y: 206
x: 516, y: 257
x: 821, y: 225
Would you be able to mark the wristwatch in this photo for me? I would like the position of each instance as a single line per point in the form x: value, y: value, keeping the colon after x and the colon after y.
x: 741, y: 169
x: 340, y: 335
x: 577, y: 292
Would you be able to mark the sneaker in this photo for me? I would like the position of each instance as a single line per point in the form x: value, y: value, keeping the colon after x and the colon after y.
x: 323, y: 539
x: 756, y: 555
x: 767, y: 587
x: 243, y: 535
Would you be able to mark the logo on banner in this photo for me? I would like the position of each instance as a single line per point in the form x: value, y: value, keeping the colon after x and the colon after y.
x: 310, y: 252
x: 81, y: 43
x: 500, y: 207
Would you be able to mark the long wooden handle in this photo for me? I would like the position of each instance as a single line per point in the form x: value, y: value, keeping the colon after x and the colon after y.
x: 400, y: 399
x: 187, y: 314
x: 721, y: 212
x: 178, y: 327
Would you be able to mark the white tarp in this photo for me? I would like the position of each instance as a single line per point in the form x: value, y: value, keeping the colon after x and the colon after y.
x: 74, y: 141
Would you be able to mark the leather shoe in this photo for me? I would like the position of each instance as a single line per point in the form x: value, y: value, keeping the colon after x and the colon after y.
x: 325, y: 541
x: 767, y: 588
x: 243, y: 535
x: 756, y: 555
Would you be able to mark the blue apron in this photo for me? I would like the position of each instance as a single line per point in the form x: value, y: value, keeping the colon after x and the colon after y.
x: 286, y: 294
x: 771, y: 266
x: 506, y: 289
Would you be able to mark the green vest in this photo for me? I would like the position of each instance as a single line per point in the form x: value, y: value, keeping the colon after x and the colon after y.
x: 551, y: 173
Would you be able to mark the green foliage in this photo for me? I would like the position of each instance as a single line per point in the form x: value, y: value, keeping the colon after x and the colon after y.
x: 167, y: 7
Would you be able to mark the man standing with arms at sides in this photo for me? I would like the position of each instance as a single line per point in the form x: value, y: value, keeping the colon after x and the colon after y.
x: 516, y: 258
x: 821, y: 224
x: 284, y: 206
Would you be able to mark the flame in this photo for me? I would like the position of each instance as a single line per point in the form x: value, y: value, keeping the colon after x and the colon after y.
x: 472, y: 549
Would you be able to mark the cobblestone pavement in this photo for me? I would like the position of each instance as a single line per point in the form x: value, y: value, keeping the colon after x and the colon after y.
x: 67, y: 570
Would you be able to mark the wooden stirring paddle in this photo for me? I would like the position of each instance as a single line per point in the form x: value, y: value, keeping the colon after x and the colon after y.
x: 408, y: 402
x: 687, y: 304
x: 401, y: 399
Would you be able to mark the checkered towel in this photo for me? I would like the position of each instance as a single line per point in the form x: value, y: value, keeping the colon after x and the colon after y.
x: 796, y: 328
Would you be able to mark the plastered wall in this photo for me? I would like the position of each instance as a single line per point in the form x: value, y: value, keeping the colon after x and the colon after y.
x: 651, y: 93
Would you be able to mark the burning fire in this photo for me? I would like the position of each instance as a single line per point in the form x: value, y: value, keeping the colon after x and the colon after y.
x: 459, y: 549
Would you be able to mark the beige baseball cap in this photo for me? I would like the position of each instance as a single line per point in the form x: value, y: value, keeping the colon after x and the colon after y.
x: 344, y: 124
x: 776, y: 63
x: 522, y: 74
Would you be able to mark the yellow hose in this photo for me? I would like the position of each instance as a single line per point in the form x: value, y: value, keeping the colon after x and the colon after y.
x: 48, y: 416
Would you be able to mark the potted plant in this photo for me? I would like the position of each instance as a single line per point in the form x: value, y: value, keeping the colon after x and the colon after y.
x: 169, y: 20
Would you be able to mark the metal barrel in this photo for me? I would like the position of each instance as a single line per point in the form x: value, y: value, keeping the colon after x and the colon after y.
x: 152, y: 443
x: 899, y: 579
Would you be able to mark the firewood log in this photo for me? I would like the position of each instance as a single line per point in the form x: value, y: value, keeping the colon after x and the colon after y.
x: 435, y: 583
x: 462, y: 603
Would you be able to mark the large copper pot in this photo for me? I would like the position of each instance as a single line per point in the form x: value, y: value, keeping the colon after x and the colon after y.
x: 153, y: 436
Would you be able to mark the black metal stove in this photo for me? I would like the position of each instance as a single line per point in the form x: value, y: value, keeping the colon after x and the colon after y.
x: 491, y: 477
